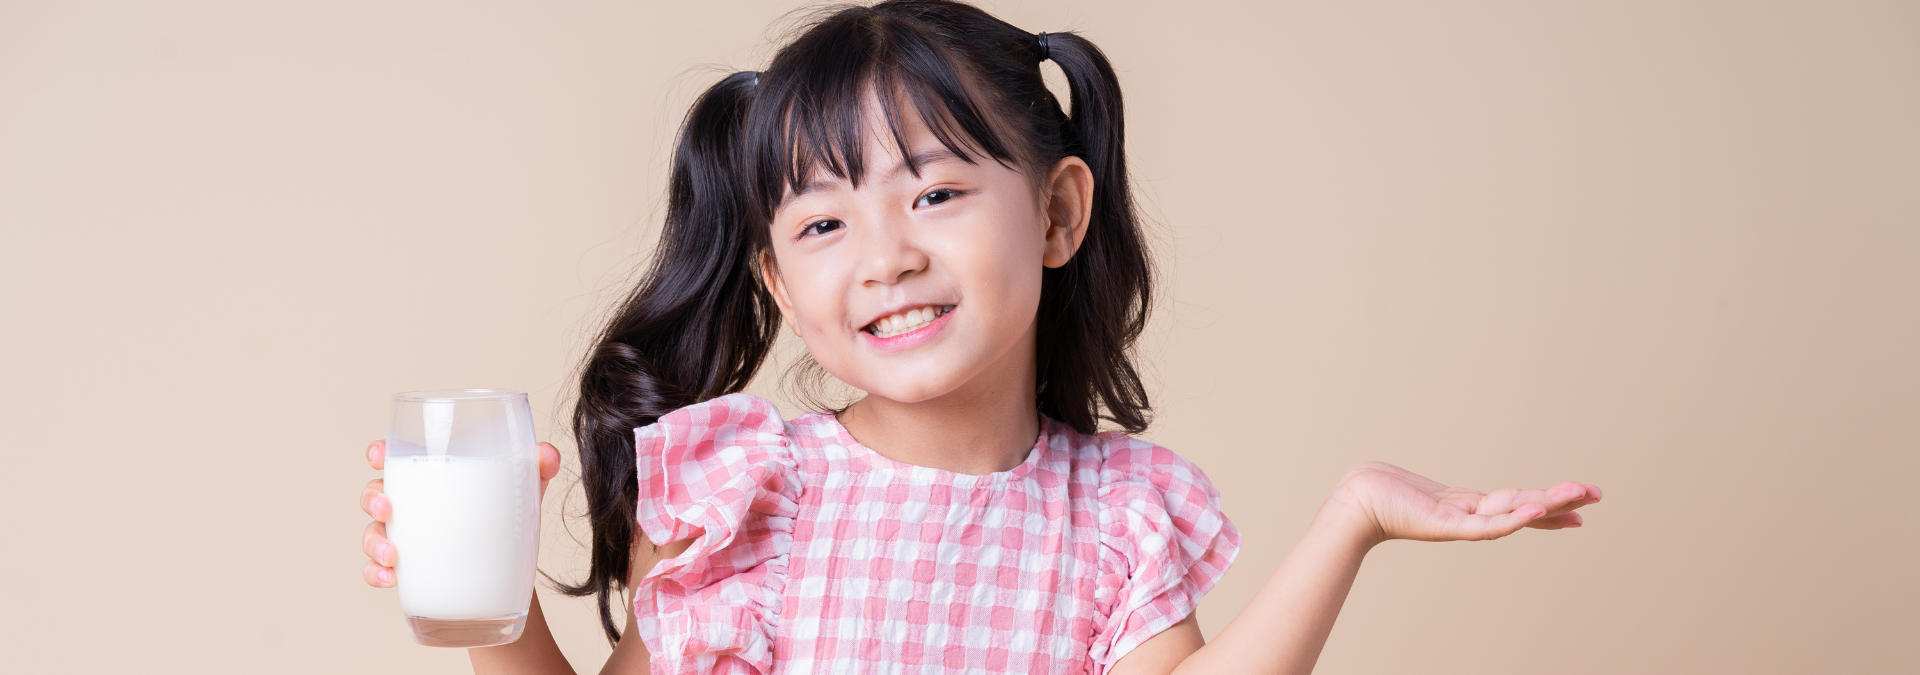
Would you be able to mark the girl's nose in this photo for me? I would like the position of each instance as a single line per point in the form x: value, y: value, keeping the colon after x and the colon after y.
x: 888, y: 255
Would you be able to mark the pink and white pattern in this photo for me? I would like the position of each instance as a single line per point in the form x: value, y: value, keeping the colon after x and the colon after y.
x: 814, y: 554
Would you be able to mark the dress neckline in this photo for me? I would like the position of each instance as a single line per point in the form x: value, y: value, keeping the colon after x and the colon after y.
x: 927, y: 474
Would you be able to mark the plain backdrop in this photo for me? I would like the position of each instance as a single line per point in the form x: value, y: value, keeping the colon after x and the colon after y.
x: 1670, y: 248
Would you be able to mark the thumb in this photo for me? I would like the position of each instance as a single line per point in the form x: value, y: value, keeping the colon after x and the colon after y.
x: 549, y: 465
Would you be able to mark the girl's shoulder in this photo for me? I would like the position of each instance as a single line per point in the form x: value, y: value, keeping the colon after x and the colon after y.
x: 812, y: 430
x: 1117, y: 459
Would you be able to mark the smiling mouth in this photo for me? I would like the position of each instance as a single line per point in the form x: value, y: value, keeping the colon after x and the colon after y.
x: 906, y: 322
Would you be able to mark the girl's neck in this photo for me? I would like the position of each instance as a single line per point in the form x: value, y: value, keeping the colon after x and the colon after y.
x: 986, y: 426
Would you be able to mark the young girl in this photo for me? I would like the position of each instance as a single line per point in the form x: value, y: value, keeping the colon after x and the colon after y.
x: 900, y: 190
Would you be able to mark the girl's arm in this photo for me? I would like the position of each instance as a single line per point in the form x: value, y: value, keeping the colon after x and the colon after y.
x: 1283, y: 629
x: 535, y: 653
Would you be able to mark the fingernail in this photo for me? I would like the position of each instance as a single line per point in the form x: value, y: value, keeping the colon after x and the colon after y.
x: 378, y: 502
x: 386, y: 577
x: 380, y: 552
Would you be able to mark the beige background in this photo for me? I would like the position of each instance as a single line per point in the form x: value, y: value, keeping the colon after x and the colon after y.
x: 1669, y: 248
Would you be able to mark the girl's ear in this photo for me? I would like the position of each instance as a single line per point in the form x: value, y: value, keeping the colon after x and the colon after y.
x: 770, y: 275
x: 1068, y: 207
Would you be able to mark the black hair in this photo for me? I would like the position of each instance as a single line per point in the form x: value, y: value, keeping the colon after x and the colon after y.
x: 701, y: 322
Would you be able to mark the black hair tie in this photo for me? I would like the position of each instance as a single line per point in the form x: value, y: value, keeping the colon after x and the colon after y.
x: 1041, y: 41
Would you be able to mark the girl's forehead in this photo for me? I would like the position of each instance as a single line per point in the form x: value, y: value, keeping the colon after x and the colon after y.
x: 895, y: 143
x: 869, y: 136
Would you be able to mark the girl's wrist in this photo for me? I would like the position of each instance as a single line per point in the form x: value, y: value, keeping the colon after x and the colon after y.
x: 1344, y: 519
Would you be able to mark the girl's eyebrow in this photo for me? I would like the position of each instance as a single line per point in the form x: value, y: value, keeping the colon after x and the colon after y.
x: 919, y: 159
x: 922, y: 158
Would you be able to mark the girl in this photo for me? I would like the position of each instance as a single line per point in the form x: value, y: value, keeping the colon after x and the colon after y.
x: 900, y: 190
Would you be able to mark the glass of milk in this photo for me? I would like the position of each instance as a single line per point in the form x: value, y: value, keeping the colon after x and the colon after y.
x: 463, y: 476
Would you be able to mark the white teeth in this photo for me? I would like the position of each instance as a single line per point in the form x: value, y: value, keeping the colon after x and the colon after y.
x: 906, y: 321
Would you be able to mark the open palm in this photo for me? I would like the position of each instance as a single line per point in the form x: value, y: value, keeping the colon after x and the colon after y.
x: 1405, y: 505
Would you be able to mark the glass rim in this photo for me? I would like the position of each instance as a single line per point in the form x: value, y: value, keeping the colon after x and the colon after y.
x: 457, y: 395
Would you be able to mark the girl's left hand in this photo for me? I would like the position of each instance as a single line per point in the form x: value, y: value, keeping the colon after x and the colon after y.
x: 1399, y: 504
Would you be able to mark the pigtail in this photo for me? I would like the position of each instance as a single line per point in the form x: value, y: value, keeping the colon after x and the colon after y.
x: 1093, y: 308
x: 698, y: 326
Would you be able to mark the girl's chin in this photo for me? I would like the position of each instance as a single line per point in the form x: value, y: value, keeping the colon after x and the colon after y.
x: 907, y: 395
x: 907, y: 387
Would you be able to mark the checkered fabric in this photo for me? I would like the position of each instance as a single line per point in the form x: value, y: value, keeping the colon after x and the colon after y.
x: 814, y: 554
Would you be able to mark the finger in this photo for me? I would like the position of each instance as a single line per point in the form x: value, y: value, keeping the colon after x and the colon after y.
x: 377, y: 455
x: 376, y: 575
x: 1502, y: 501
x: 549, y: 462
x: 374, y: 543
x: 1481, y: 527
x: 373, y: 500
x: 1559, y: 522
x: 1590, y: 495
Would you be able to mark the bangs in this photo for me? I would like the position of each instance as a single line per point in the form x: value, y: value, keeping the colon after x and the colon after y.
x: 811, y: 112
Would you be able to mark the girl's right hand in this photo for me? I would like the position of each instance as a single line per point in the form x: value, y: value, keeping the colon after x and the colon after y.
x: 380, y: 553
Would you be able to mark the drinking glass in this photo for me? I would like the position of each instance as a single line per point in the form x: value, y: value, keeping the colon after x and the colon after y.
x: 463, y: 476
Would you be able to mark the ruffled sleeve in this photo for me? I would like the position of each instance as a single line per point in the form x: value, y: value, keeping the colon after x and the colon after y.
x: 1164, y: 542
x: 721, y: 473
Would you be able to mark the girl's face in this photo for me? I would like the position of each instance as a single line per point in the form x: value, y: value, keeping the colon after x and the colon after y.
x: 914, y: 287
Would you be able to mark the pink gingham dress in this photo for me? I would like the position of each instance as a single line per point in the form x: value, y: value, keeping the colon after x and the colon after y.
x: 814, y: 554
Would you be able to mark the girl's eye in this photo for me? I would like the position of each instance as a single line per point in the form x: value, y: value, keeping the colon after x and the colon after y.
x: 821, y: 227
x: 936, y: 197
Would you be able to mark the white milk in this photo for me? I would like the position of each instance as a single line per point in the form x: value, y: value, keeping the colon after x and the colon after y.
x: 467, y: 532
